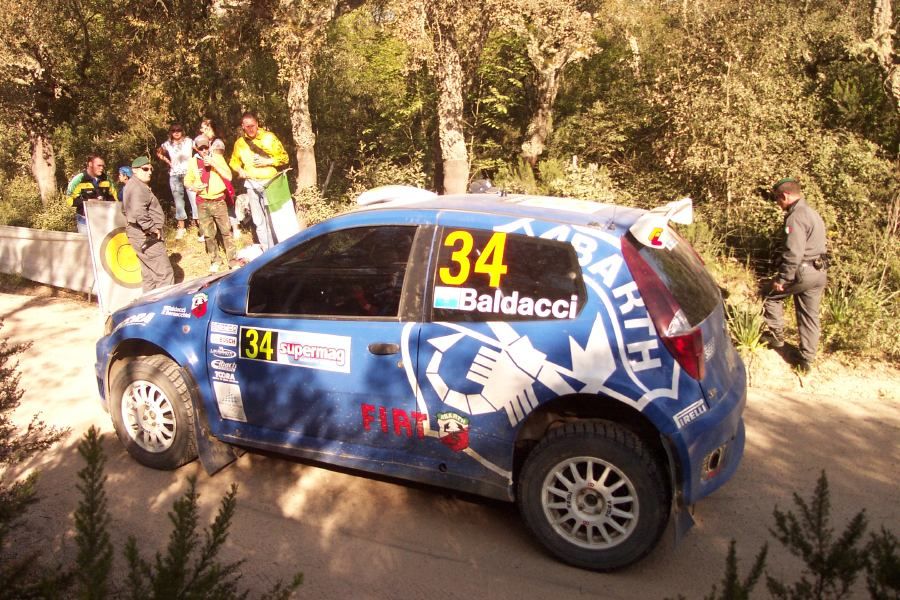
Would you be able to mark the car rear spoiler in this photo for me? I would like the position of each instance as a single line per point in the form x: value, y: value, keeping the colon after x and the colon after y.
x: 652, y: 228
x: 397, y: 194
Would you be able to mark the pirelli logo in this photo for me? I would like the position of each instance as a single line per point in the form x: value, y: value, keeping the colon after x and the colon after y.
x: 690, y: 414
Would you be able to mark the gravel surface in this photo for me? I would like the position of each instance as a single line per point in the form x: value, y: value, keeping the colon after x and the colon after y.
x: 359, y: 537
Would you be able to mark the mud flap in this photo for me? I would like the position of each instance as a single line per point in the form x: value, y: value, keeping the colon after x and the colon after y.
x: 683, y: 520
x: 214, y: 454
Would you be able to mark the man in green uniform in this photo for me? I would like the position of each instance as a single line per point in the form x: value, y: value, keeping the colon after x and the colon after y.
x: 146, y: 219
x: 801, y: 273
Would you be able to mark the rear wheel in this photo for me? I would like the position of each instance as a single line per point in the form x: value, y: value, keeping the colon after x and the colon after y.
x: 152, y: 413
x: 593, y: 494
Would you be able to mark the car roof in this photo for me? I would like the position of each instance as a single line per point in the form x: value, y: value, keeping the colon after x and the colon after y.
x: 518, y: 206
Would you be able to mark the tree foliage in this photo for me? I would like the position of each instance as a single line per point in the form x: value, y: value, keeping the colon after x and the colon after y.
x: 712, y: 99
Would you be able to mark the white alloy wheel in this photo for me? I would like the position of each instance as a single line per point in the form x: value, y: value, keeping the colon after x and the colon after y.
x: 149, y: 416
x: 590, y: 502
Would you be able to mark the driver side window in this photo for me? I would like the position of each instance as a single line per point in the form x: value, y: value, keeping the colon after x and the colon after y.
x: 355, y: 272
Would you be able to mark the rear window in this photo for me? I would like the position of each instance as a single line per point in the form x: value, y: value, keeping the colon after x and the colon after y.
x: 489, y: 276
x: 681, y: 270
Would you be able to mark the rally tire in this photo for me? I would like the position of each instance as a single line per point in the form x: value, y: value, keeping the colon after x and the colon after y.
x: 594, y: 495
x: 152, y: 413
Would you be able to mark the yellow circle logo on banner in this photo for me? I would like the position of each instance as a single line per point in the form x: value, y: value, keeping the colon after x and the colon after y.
x: 119, y: 259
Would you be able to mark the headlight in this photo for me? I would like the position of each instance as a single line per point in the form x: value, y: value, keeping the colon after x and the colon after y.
x: 108, y: 327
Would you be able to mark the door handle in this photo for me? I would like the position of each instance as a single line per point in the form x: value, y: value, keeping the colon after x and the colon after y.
x: 383, y: 349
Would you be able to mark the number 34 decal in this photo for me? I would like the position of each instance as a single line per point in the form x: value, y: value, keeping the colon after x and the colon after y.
x: 488, y: 262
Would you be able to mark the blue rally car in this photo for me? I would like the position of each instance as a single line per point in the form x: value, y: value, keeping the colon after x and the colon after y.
x: 566, y: 355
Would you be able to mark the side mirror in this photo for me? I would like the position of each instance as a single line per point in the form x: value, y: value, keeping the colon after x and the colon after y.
x: 233, y: 297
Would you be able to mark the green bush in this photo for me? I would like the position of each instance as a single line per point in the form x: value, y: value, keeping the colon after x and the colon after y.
x: 19, y: 200
x: 314, y: 208
x: 56, y: 216
x: 572, y: 180
x: 376, y: 171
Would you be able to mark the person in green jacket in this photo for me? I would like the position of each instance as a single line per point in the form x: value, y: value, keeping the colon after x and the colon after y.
x: 90, y: 184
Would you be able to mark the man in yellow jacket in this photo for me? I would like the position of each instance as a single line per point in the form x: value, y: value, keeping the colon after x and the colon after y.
x: 206, y: 175
x: 257, y: 157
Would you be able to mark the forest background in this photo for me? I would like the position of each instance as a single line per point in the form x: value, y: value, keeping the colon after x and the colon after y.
x: 631, y: 101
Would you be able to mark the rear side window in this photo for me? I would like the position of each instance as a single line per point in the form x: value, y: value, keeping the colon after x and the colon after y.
x: 492, y: 276
x: 682, y: 272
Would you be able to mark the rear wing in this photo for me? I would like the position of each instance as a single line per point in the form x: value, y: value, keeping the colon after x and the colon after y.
x: 652, y: 228
x: 394, y: 194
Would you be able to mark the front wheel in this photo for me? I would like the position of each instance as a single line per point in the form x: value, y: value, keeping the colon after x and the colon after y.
x: 152, y: 413
x: 593, y: 495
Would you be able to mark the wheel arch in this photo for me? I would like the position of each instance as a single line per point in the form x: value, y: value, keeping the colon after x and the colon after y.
x: 587, y: 407
x: 131, y: 349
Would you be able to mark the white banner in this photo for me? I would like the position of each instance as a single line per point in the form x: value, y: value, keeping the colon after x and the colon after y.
x: 117, y: 269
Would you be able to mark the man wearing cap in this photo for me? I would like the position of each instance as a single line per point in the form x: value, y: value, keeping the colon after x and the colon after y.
x: 145, y: 218
x: 801, y: 272
x: 206, y: 175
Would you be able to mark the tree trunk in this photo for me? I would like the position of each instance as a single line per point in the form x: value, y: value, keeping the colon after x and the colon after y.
x: 301, y: 122
x: 43, y: 165
x: 541, y: 123
x: 448, y: 72
x: 883, y: 37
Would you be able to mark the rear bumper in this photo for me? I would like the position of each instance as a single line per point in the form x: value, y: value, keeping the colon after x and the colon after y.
x: 710, y: 448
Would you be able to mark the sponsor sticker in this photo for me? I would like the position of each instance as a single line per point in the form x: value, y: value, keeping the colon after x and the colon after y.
x: 453, y: 430
x: 221, y: 365
x: 198, y: 304
x: 138, y: 319
x: 222, y: 340
x: 296, y: 348
x: 226, y: 328
x: 175, y: 311
x: 223, y: 376
x: 690, y: 414
x: 220, y: 352
x: 228, y: 398
x: 468, y: 299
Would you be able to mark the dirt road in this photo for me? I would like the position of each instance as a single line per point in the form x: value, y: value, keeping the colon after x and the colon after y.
x: 362, y: 538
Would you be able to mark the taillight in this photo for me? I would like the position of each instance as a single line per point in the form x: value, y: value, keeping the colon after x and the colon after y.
x: 684, y: 342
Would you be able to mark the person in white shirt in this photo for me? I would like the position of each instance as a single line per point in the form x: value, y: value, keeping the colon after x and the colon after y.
x: 176, y: 152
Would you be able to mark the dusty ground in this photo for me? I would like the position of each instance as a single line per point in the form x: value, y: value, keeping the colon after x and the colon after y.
x: 358, y: 537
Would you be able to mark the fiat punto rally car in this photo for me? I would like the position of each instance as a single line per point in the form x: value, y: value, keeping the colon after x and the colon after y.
x: 566, y: 355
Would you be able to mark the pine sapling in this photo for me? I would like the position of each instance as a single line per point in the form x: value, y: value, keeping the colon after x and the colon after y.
x: 172, y: 575
x: 831, y: 566
x: 883, y: 566
x: 95, y: 551
x: 732, y: 586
